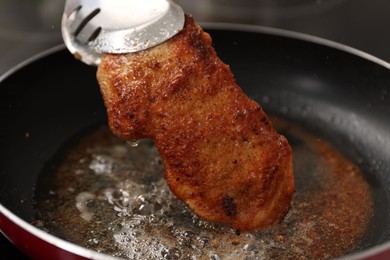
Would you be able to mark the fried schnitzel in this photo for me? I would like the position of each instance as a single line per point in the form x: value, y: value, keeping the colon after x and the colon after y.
x: 221, y: 154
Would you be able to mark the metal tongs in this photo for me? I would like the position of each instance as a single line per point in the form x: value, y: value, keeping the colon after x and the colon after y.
x: 90, y: 27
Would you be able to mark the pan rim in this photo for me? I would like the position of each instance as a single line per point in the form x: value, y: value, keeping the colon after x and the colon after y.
x: 84, y: 252
x: 238, y: 27
x: 30, y: 60
x: 297, y: 36
x: 51, y: 239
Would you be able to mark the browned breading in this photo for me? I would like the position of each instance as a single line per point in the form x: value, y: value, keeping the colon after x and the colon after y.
x: 221, y: 154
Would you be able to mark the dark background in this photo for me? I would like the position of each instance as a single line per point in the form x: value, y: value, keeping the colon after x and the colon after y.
x: 28, y: 27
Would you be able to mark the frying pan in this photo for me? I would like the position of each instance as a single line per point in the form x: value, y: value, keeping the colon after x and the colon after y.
x: 341, y: 94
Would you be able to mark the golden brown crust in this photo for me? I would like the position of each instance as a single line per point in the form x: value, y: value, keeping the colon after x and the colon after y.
x: 221, y: 154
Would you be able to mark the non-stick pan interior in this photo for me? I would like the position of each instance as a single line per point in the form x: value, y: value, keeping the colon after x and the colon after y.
x: 42, y: 105
x: 341, y: 97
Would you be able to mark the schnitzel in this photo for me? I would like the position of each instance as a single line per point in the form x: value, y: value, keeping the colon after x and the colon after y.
x: 221, y: 155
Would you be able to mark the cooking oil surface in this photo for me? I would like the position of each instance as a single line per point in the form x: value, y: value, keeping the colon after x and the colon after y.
x: 111, y: 197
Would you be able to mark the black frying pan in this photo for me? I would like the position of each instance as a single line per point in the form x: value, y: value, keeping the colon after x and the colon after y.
x: 339, y: 93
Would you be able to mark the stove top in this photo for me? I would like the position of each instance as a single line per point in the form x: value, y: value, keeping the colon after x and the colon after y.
x: 29, y: 27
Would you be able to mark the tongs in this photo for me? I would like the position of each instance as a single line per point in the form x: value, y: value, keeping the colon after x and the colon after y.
x: 90, y: 27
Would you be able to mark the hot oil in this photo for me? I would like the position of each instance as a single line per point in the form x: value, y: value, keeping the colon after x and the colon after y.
x: 112, y: 198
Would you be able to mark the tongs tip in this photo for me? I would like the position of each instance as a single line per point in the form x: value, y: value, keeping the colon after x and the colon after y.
x: 121, y: 26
